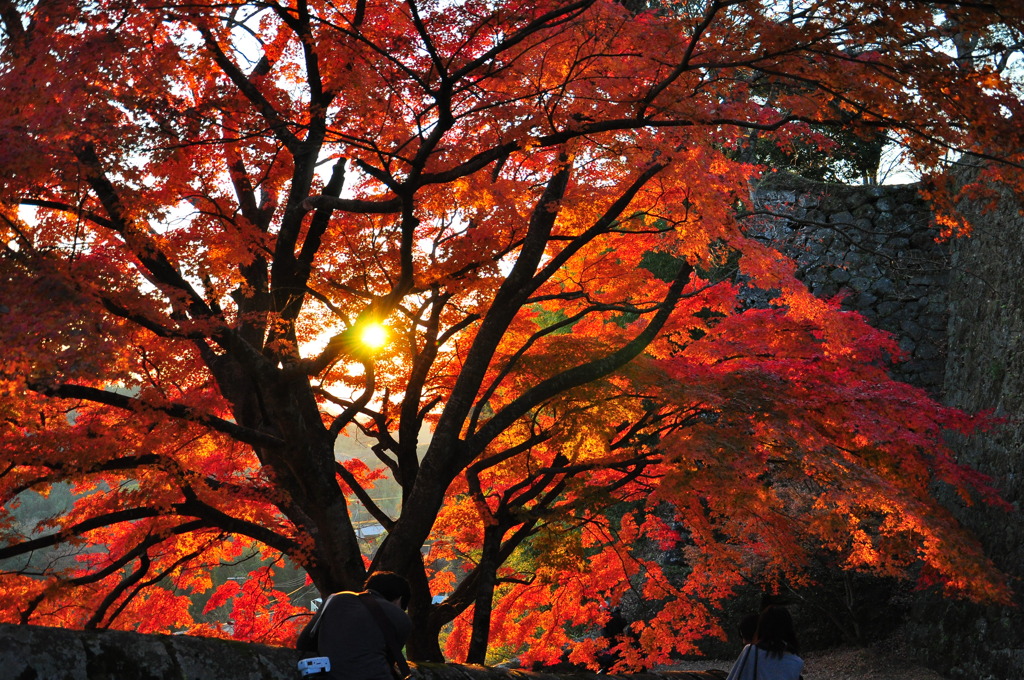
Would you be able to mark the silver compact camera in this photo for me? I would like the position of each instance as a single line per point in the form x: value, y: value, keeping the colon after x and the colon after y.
x: 314, y: 665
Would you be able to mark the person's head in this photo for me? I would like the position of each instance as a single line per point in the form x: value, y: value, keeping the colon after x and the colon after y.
x: 748, y: 628
x: 390, y: 585
x: 775, y: 632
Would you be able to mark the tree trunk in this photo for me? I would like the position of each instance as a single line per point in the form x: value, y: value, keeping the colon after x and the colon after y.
x: 488, y: 569
x: 424, y: 643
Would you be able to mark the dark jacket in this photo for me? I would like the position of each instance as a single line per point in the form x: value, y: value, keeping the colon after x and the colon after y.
x: 350, y: 635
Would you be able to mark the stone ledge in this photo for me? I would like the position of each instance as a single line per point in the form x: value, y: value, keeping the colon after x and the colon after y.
x: 40, y: 653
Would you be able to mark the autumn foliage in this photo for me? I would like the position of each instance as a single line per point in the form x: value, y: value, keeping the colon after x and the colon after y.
x: 203, y: 203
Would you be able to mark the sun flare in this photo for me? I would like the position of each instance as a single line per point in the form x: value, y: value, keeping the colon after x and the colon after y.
x: 373, y: 336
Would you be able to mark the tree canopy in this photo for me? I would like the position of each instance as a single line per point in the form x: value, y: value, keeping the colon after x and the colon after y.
x: 204, y: 206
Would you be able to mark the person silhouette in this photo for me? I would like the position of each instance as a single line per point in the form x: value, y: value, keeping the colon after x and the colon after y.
x: 773, y: 653
x: 360, y: 635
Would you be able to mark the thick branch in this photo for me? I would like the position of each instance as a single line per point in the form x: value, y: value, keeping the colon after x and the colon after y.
x: 353, y: 205
x: 422, y: 361
x: 12, y: 21
x: 136, y: 237
x: 250, y: 91
x: 180, y: 411
x: 321, y: 219
x: 601, y: 226
x: 511, y: 295
x: 68, y: 208
x: 119, y: 588
x: 50, y: 540
x: 364, y: 498
x: 346, y: 416
x: 582, y: 374
x: 684, y: 62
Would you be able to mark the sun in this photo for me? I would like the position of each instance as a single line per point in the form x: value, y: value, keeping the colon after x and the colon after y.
x: 373, y: 336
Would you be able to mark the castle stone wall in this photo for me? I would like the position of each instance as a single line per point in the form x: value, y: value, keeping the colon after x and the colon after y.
x: 873, y: 246
x: 957, y: 309
x: 985, y: 373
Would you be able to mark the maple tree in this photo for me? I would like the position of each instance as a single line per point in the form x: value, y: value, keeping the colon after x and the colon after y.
x: 205, y: 204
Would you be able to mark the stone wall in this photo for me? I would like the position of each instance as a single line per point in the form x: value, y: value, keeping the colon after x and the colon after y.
x: 957, y: 309
x: 39, y: 653
x: 985, y: 372
x: 873, y: 246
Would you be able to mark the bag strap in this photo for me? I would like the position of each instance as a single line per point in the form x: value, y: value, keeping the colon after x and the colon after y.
x: 314, y: 628
x: 320, y: 614
x: 390, y: 634
x: 748, y: 651
x: 309, y: 637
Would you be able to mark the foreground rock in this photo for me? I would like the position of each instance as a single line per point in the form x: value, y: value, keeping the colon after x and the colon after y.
x: 39, y: 653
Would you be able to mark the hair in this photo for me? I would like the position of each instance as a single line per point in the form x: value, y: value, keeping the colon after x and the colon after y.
x: 390, y: 585
x: 775, y: 632
x: 748, y: 627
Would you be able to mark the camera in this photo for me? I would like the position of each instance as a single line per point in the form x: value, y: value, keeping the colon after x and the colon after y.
x: 314, y: 665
